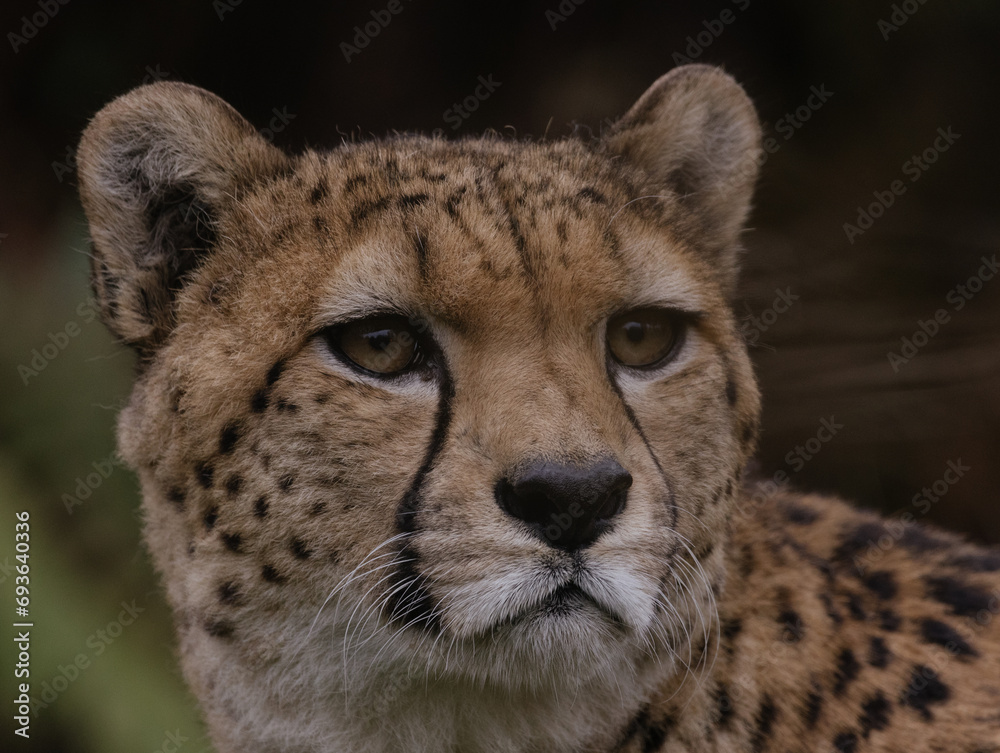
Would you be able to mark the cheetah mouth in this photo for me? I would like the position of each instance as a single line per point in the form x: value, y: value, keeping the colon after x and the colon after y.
x: 567, y: 601
x: 573, y: 597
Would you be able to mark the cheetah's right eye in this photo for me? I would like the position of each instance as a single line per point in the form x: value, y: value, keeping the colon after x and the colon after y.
x: 385, y: 344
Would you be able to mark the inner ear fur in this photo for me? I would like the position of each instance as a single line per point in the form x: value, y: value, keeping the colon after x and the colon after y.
x: 695, y: 134
x: 156, y: 166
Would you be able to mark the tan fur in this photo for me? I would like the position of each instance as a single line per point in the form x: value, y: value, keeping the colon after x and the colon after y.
x: 276, y: 478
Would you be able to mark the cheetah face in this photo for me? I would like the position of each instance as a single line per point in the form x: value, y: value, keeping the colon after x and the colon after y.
x: 478, y: 406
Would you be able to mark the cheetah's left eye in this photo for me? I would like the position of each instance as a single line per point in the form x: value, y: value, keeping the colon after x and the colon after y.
x: 385, y: 344
x: 644, y: 337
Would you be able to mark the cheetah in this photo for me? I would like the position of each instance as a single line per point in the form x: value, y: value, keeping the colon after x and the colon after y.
x: 443, y: 446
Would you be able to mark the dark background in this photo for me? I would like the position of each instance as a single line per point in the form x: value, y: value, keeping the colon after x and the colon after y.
x: 825, y: 357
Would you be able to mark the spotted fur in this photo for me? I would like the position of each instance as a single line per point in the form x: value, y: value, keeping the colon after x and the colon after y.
x: 342, y: 575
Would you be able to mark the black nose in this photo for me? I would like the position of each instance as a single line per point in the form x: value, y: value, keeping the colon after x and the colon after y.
x: 567, y: 506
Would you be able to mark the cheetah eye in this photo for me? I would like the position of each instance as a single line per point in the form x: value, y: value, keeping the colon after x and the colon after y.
x: 644, y: 337
x: 385, y: 344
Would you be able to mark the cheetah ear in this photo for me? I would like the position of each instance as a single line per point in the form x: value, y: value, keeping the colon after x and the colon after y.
x: 695, y: 133
x: 156, y: 167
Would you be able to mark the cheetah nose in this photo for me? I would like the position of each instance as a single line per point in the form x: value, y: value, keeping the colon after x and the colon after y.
x: 566, y: 506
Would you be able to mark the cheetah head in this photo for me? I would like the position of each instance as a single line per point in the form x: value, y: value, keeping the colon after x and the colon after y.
x: 428, y: 427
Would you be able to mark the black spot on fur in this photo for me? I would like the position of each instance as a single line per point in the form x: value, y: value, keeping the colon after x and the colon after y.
x: 988, y: 562
x: 451, y: 204
x: 300, y: 550
x: 366, y: 209
x: 799, y: 515
x: 229, y: 593
x: 920, y: 540
x: 858, y: 539
x: 925, y: 688
x: 813, y: 707
x: 233, y: 542
x: 286, y: 482
x: 352, y: 183
x: 219, y: 629
x: 846, y: 742
x: 889, y: 620
x: 271, y: 575
x: 317, y: 508
x: 652, y: 735
x: 943, y: 634
x: 878, y: 652
x: 856, y: 607
x: 176, y: 496
x: 792, y: 627
x: 204, y: 473
x: 831, y: 610
x: 275, y: 372
x: 731, y: 394
x: 420, y: 251
x: 319, y: 192
x: 764, y: 722
x: 592, y: 194
x: 411, y: 200
x: 259, y: 401
x: 286, y: 407
x: 963, y: 599
x: 723, y: 706
x: 875, y: 713
x: 730, y: 629
x: 228, y: 438
x: 655, y: 736
x: 260, y: 507
x: 882, y: 584
x: 210, y: 517
x: 846, y: 672
x: 233, y: 484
